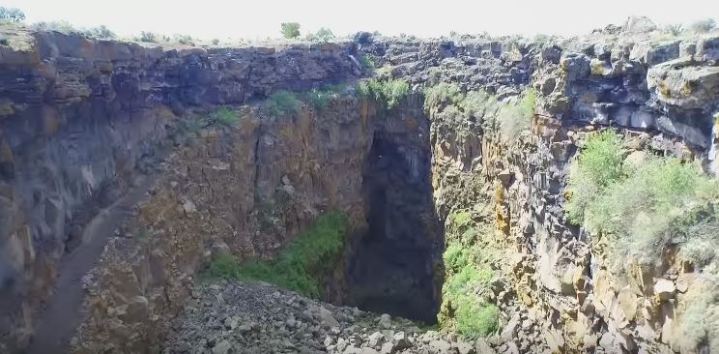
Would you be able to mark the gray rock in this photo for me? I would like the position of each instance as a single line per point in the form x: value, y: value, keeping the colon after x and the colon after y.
x: 222, y: 347
x: 376, y: 340
x: 385, y: 321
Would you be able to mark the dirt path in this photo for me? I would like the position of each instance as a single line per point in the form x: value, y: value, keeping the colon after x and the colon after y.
x: 56, y: 325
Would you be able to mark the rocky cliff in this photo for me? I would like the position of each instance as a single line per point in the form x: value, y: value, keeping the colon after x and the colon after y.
x: 83, y: 119
x: 117, y: 148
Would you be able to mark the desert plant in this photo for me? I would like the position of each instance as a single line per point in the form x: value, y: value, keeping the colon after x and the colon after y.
x: 57, y: 26
x: 641, y: 208
x: 674, y: 29
x: 699, y: 322
x: 100, y: 32
x: 224, y: 116
x: 282, y: 103
x: 599, y: 164
x: 324, y: 35
x: 290, y: 30
x: 148, y: 37
x: 13, y: 15
x: 476, y: 319
x: 300, y: 265
x: 703, y: 26
x: 183, y: 39
x: 366, y: 62
x: 389, y: 92
x: 442, y: 94
x: 515, y: 118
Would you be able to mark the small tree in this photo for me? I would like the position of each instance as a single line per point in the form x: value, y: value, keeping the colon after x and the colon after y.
x: 11, y: 15
x: 324, y: 35
x: 290, y: 30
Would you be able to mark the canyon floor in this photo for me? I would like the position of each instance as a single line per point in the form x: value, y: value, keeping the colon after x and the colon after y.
x: 239, y: 317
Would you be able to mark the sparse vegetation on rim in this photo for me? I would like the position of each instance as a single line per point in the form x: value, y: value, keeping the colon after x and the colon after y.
x: 388, y: 92
x: 642, y: 207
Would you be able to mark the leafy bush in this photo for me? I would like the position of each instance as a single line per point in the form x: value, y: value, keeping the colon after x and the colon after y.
x: 641, y: 208
x: 290, y: 30
x: 674, y: 29
x: 57, y: 26
x: 468, y: 276
x: 323, y: 35
x: 13, y: 15
x: 699, y: 322
x: 390, y: 92
x: 703, y: 26
x: 148, y: 37
x: 516, y: 118
x: 366, y: 62
x: 320, y: 98
x: 479, y: 104
x: 100, y: 32
x: 599, y: 164
x: 475, y: 319
x: 442, y: 94
x: 282, y: 103
x: 183, y: 39
x: 225, y: 116
x: 299, y: 266
x: 456, y: 257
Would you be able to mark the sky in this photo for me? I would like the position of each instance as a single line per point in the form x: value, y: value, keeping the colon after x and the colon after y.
x: 261, y: 18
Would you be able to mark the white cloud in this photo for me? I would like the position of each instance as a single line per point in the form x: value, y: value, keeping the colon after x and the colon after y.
x: 261, y: 18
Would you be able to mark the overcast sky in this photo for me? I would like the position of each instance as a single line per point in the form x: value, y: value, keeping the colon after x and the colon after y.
x: 261, y: 18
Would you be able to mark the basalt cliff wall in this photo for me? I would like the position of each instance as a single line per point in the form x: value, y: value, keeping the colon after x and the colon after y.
x: 82, y: 122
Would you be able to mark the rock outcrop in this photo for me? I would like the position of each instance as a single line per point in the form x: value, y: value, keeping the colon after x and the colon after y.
x: 80, y: 119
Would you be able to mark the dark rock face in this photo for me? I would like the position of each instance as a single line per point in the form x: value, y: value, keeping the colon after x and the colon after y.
x: 394, y: 266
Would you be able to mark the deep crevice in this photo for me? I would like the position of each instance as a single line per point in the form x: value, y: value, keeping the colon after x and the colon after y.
x: 395, y: 267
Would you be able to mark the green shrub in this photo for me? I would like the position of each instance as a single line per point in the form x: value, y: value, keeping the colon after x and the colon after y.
x: 225, y: 116
x: 57, y: 26
x: 674, y: 29
x: 183, y: 39
x: 12, y: 15
x: 641, y: 208
x: 320, y: 98
x: 323, y: 35
x: 366, y: 62
x: 479, y: 104
x: 517, y: 117
x: 290, y: 30
x: 599, y: 164
x: 442, y: 94
x: 282, y: 103
x: 301, y: 265
x: 475, y: 319
x: 148, y: 37
x: 389, y: 92
x: 699, y: 322
x: 100, y: 32
x: 456, y: 257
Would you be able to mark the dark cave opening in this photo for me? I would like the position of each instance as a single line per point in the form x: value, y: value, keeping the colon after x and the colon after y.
x: 395, y: 267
